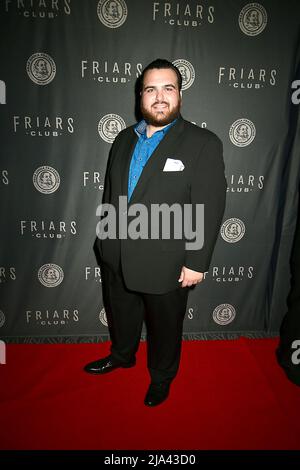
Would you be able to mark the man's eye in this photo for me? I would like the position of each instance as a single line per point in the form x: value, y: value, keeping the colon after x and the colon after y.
x: 149, y: 90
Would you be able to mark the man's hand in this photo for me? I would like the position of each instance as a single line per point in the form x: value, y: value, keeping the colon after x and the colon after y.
x: 189, y: 277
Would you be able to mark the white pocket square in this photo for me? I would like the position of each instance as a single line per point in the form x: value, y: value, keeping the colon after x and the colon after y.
x: 173, y: 165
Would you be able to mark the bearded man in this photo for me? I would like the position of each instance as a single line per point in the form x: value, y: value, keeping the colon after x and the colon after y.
x: 162, y: 160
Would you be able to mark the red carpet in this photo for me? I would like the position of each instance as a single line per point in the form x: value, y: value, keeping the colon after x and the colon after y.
x: 227, y: 395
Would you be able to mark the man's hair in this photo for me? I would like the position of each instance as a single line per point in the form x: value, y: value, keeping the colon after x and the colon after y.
x: 161, y: 64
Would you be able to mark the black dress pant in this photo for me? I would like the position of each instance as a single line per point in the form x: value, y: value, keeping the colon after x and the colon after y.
x: 163, y: 315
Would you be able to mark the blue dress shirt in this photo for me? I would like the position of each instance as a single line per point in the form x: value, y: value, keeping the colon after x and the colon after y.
x: 144, y: 148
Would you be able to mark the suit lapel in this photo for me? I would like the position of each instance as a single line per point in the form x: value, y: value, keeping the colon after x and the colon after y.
x: 156, y: 161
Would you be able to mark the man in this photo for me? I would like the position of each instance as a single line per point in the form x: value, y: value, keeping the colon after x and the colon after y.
x: 149, y: 278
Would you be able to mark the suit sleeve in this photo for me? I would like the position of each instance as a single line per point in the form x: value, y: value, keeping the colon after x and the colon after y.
x: 106, y: 192
x: 112, y: 155
x: 208, y: 187
x: 106, y: 196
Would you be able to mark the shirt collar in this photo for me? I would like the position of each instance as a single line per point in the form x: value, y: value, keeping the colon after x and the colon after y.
x: 141, y: 127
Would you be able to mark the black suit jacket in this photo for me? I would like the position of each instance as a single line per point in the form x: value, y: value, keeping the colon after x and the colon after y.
x: 154, y: 265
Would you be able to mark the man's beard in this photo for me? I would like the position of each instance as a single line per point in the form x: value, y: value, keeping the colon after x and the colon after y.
x: 163, y: 119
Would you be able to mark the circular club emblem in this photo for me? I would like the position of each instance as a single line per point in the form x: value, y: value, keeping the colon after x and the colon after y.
x: 232, y: 230
x: 242, y: 132
x: 102, y: 317
x: 41, y: 68
x: 2, y: 318
x: 46, y: 179
x: 187, y: 72
x: 224, y: 314
x: 110, y: 126
x: 253, y: 19
x: 50, y: 275
x: 112, y: 13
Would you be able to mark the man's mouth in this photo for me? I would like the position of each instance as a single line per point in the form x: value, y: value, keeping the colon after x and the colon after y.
x: 160, y: 107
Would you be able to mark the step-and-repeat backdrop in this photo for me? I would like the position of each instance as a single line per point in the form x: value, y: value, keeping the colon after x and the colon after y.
x: 67, y: 76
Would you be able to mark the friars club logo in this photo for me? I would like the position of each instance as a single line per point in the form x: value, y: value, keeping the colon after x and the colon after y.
x: 93, y: 179
x: 246, y: 77
x: 37, y: 9
x: 48, y: 229
x: 242, y: 132
x: 224, y: 314
x: 112, y: 13
x: 244, y: 183
x: 50, y: 275
x: 46, y: 179
x: 4, y: 177
x: 111, y: 71
x: 253, y: 19
x: 41, y: 68
x: 49, y: 317
x: 43, y: 126
x: 109, y: 127
x: 232, y: 230
x: 183, y: 14
x: 93, y: 272
x: 187, y: 72
x: 222, y: 274
x: 7, y: 274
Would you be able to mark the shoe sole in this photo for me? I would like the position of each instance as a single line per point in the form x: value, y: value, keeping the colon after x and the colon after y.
x: 151, y: 405
x: 127, y: 366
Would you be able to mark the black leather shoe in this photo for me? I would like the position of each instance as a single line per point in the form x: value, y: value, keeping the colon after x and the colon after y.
x: 105, y: 365
x: 157, y: 393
